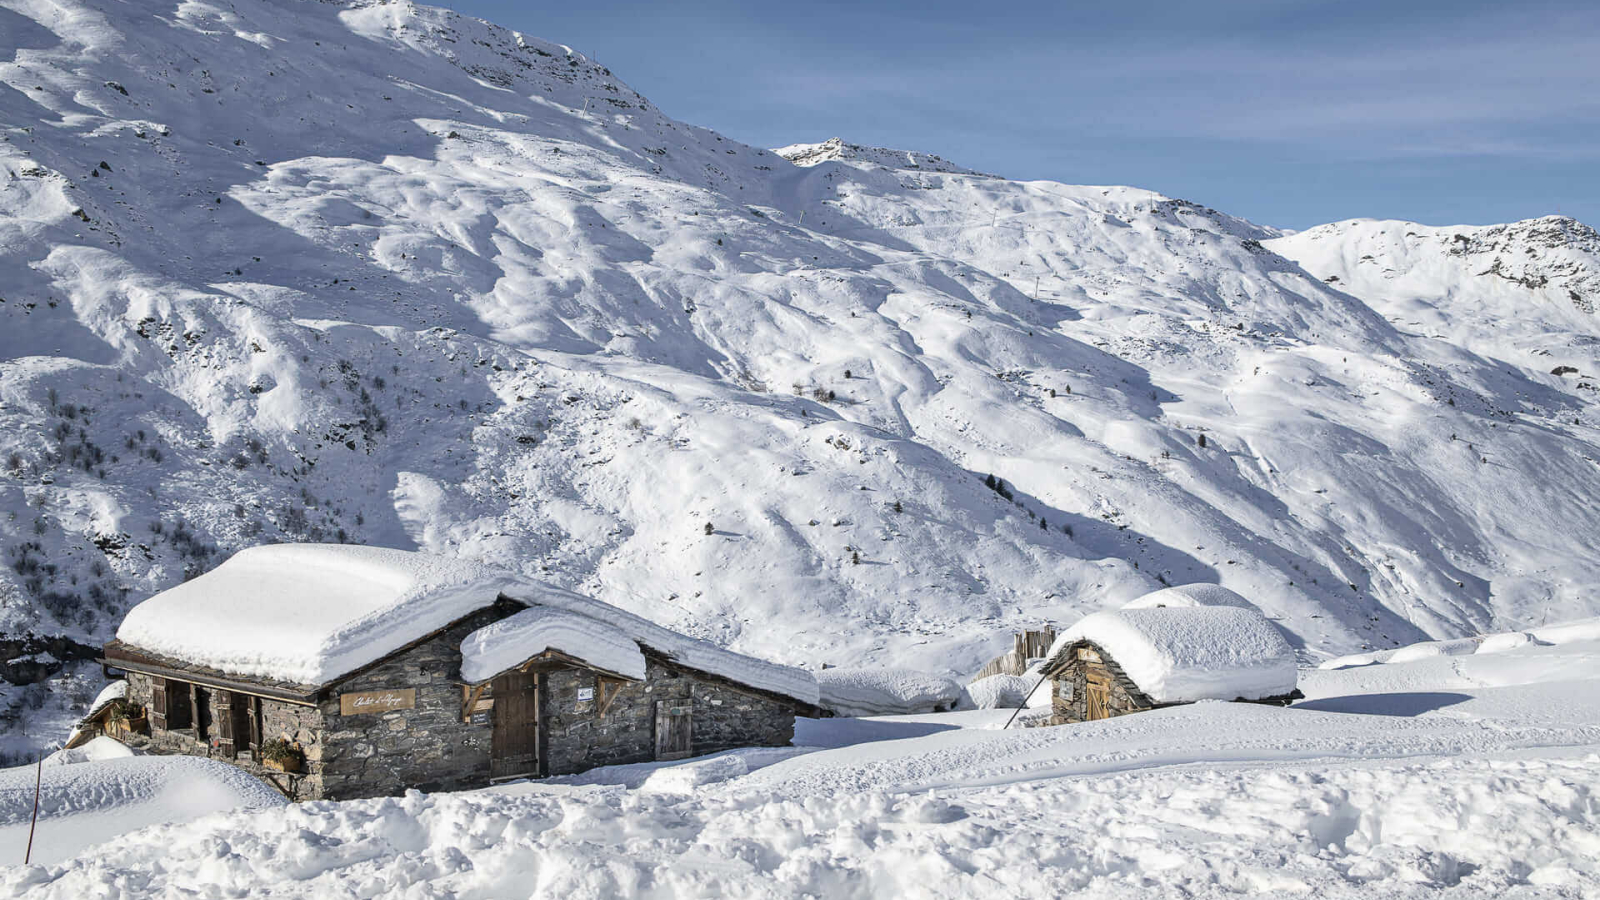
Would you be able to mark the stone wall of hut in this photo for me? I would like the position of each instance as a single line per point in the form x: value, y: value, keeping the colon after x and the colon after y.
x: 428, y: 747
x: 1070, y: 700
x: 723, y: 716
x: 292, y: 722
x: 437, y: 745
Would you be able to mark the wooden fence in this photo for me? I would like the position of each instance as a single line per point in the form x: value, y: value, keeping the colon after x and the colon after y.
x: 1025, y: 645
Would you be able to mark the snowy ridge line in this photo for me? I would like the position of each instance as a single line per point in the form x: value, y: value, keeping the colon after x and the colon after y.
x: 836, y: 149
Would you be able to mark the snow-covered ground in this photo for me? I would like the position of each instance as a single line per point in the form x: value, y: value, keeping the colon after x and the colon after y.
x: 1474, y: 776
x: 381, y: 273
x: 98, y: 791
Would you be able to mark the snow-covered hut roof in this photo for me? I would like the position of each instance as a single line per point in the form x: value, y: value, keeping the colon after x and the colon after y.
x: 111, y: 693
x: 1189, y: 595
x: 309, y: 614
x: 689, y: 652
x: 511, y: 641
x: 1183, y: 654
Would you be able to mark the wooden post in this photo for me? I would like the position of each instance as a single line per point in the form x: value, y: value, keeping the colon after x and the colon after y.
x: 38, y: 776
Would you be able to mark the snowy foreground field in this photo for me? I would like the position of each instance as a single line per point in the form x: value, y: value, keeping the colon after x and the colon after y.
x: 1472, y: 775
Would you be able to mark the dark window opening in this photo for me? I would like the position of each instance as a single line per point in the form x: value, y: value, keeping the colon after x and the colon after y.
x: 179, y: 704
x: 202, y: 713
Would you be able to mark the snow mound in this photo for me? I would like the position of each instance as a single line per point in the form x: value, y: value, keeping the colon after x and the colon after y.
x: 1563, y: 633
x: 1189, y: 596
x: 93, y: 750
x: 1569, y: 632
x: 1184, y: 654
x: 689, y: 777
x: 308, y: 613
x: 1510, y: 640
x: 1000, y: 691
x: 887, y: 691
x: 95, y: 800
x: 1431, y: 649
x: 500, y: 645
x: 1352, y: 660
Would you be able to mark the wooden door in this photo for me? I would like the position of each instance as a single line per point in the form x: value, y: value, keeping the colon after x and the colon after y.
x: 674, y: 729
x: 1097, y: 697
x: 514, y: 749
x: 158, y: 704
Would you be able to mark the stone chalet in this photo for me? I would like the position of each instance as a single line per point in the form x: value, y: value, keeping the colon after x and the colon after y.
x: 339, y: 672
x: 1153, y: 655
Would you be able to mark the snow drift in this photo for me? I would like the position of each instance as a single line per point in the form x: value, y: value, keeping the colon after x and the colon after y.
x: 85, y: 802
x: 888, y: 692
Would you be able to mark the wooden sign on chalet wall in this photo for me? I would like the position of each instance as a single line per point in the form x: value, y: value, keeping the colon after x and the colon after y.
x: 377, y: 701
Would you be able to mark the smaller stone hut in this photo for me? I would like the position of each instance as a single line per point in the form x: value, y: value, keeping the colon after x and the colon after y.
x: 1136, y: 659
x: 336, y: 672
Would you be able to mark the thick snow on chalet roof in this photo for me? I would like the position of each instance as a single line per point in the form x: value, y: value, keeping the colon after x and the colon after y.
x: 501, y: 645
x: 1190, y: 595
x: 310, y: 614
x: 1183, y: 654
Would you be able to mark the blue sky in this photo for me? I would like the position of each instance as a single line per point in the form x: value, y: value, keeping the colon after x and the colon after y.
x: 1287, y: 112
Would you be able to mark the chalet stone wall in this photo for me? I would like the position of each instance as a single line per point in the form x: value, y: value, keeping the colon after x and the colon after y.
x: 1069, y: 699
x: 427, y: 747
x: 292, y: 722
x: 723, y: 716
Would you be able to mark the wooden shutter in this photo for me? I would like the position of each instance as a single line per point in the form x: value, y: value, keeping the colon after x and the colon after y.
x: 253, y: 716
x: 674, y: 729
x: 158, y: 703
x: 226, y: 722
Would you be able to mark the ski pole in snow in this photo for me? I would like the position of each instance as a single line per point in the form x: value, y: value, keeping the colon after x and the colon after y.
x: 1025, y: 698
x: 38, y: 775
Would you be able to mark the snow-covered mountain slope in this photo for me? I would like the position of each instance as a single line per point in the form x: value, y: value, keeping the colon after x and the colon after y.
x: 284, y: 270
x: 1525, y: 293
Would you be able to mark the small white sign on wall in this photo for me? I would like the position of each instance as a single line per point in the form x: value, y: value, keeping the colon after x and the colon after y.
x: 585, y: 694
